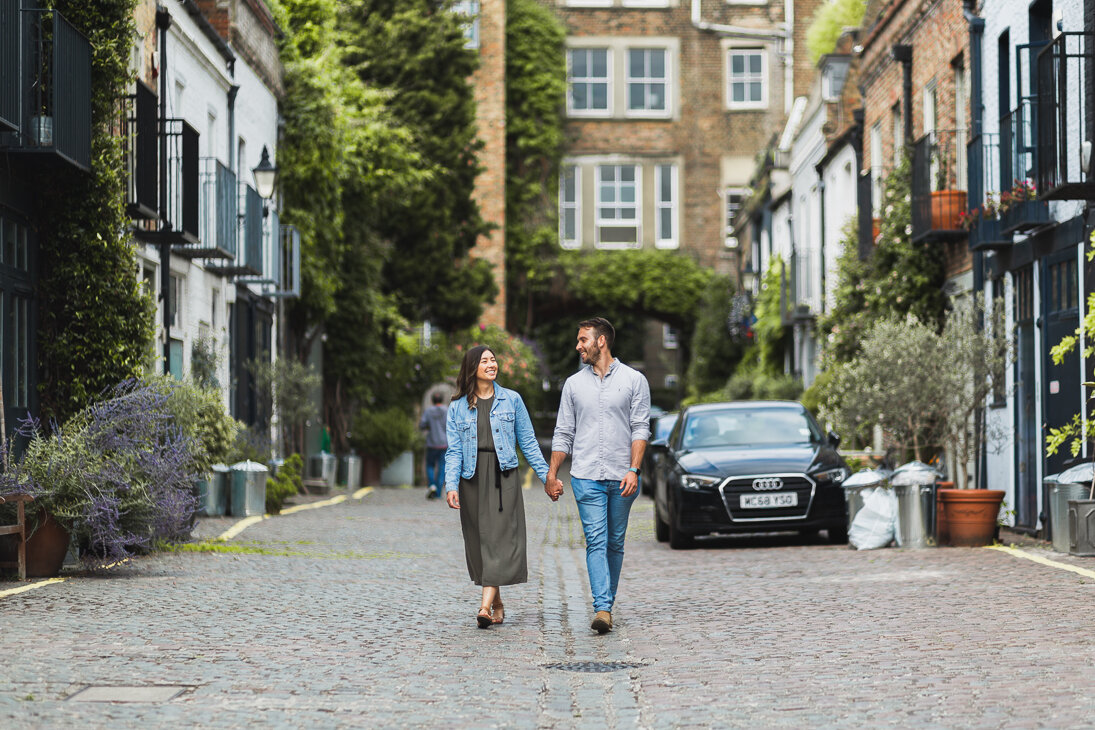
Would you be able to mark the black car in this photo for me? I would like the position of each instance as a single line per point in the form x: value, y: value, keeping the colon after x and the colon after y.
x: 750, y: 466
x: 660, y: 428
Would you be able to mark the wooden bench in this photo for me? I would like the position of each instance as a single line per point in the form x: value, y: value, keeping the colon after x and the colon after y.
x: 19, y: 529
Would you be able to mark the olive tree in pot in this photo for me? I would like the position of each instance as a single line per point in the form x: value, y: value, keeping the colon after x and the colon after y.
x: 382, y: 436
x: 973, y: 355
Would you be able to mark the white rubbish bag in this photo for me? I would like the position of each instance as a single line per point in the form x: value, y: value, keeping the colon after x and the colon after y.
x: 875, y: 524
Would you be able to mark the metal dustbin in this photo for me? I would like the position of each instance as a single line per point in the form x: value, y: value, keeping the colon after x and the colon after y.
x: 914, y: 485
x: 323, y: 466
x: 1070, y: 485
x: 248, y: 489
x: 349, y: 471
x: 213, y: 492
x: 857, y: 484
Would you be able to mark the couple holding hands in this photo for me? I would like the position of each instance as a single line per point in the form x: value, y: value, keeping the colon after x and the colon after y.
x: 603, y: 424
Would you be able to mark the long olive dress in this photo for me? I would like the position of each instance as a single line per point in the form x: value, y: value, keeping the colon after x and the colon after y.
x: 494, y: 541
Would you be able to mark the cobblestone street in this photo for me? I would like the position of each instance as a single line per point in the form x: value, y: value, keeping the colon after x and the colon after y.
x: 361, y: 614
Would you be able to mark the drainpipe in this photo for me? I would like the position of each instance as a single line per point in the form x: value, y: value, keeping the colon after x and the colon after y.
x: 863, y: 202
x: 232, y: 91
x: 976, y: 193
x: 903, y: 55
x: 163, y: 22
x: 821, y: 221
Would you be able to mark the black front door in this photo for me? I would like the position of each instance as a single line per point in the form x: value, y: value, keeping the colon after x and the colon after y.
x: 18, y: 356
x: 1027, y: 439
x: 1061, y: 298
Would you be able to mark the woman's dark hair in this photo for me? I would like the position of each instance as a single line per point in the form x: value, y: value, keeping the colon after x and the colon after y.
x: 465, y: 381
x: 601, y: 326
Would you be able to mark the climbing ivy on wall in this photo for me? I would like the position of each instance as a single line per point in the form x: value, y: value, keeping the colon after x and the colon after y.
x: 95, y: 320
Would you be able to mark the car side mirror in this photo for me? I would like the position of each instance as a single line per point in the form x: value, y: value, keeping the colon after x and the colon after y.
x: 834, y: 439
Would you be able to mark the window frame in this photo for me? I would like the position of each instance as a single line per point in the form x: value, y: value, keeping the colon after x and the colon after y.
x: 747, y: 78
x: 727, y: 223
x: 674, y: 240
x: 608, y: 81
x: 599, y: 206
x: 576, y: 206
x: 646, y: 81
x: 469, y: 10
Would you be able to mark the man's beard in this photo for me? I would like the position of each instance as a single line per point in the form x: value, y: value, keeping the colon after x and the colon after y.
x: 593, y: 354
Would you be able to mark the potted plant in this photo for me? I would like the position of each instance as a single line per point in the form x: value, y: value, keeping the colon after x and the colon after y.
x: 1020, y: 209
x: 384, y: 436
x: 117, y: 477
x: 973, y: 357
x: 947, y: 204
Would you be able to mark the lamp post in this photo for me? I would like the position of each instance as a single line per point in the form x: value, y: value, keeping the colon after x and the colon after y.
x: 266, y: 175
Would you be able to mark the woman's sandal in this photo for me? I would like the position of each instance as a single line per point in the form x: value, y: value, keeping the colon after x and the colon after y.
x: 483, y: 618
x: 498, y: 611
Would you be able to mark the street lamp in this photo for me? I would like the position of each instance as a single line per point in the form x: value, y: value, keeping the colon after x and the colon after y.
x: 265, y: 176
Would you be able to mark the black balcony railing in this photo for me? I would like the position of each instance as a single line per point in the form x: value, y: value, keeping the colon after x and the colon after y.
x: 218, y: 205
x: 1062, y: 118
x: 1020, y: 209
x: 179, y: 217
x: 267, y: 279
x: 9, y: 66
x: 248, y: 261
x: 938, y: 195
x: 289, y: 270
x: 984, y: 185
x: 45, y: 85
x: 142, y: 152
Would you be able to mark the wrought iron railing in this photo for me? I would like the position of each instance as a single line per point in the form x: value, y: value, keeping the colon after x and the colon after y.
x: 180, y: 212
x: 267, y: 278
x: 219, y: 206
x: 9, y: 66
x: 1062, y: 119
x: 1019, y: 209
x: 289, y: 270
x: 45, y: 85
x: 982, y: 220
x: 139, y: 127
x: 938, y: 196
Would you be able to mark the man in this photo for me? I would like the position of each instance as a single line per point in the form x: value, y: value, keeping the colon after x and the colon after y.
x: 433, y: 423
x: 603, y: 423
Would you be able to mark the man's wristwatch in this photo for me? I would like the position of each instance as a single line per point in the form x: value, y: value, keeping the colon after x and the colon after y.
x: 636, y: 469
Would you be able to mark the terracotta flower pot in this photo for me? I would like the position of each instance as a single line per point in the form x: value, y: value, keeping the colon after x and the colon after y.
x: 947, y: 207
x: 942, y: 537
x: 46, y: 549
x: 971, y: 515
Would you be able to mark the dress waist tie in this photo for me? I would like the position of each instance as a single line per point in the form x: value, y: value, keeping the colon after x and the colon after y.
x: 498, y: 474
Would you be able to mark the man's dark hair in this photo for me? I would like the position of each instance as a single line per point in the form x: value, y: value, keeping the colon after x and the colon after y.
x: 437, y: 398
x: 601, y: 326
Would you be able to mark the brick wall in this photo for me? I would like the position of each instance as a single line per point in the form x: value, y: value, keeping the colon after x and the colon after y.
x: 249, y: 27
x: 490, y: 186
x: 938, y: 34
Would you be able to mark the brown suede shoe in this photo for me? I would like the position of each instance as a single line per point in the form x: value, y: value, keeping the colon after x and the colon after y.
x: 602, y: 622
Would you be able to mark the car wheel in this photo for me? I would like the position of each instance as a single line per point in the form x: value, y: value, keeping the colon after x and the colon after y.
x: 838, y: 535
x: 677, y: 539
x: 661, y: 529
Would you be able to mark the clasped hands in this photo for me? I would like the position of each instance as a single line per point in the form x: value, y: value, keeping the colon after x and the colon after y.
x: 554, y: 488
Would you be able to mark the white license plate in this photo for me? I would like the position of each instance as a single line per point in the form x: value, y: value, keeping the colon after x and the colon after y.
x: 771, y: 500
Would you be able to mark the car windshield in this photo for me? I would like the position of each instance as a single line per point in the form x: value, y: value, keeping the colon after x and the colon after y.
x: 664, y: 425
x: 741, y: 427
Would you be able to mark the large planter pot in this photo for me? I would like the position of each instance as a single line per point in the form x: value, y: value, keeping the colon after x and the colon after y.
x: 370, y: 470
x: 971, y: 515
x: 942, y: 535
x: 947, y: 207
x: 46, y: 549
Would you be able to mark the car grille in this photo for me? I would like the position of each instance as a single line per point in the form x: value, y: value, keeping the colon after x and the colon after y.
x: 734, y: 487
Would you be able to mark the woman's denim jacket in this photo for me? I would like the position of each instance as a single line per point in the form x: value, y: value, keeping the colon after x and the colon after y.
x: 512, y: 427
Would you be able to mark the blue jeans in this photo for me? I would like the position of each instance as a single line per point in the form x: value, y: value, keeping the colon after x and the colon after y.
x: 604, y: 513
x: 435, y: 474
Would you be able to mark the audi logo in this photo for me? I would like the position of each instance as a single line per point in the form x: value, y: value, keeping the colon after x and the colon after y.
x: 767, y: 484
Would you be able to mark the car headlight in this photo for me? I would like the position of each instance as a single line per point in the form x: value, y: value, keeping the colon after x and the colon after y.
x: 836, y: 476
x: 697, y: 483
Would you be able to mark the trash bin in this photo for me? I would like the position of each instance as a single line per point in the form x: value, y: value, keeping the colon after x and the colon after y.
x: 323, y: 466
x: 248, y: 489
x: 857, y: 484
x: 1070, y: 485
x: 212, y: 492
x: 349, y: 471
x: 914, y: 485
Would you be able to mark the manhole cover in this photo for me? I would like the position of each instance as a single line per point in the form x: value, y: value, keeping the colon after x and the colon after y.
x: 157, y: 693
x: 593, y: 667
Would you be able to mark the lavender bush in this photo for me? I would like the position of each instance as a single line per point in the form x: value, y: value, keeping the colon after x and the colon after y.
x: 118, y: 475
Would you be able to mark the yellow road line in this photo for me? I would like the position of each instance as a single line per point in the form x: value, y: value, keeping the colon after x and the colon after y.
x: 30, y: 587
x: 246, y: 522
x: 1043, y: 561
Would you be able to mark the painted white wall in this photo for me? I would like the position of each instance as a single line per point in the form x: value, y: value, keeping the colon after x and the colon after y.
x: 198, y: 81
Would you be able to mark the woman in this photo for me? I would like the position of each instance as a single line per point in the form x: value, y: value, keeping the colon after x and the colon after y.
x: 486, y: 424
